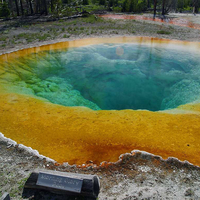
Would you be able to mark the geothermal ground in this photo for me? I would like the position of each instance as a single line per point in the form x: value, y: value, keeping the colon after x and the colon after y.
x: 135, y: 176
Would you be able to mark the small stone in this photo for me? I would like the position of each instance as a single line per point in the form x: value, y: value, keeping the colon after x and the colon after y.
x: 89, y: 168
x: 9, y: 146
x: 188, y: 192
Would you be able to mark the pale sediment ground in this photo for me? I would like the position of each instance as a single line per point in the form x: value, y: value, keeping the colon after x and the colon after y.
x: 14, y: 36
x: 138, y: 176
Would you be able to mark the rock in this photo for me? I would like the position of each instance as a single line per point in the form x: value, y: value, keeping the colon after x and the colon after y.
x: 188, y: 192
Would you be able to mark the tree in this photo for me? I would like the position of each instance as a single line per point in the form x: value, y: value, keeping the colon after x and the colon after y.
x: 17, y: 7
x: 132, y: 7
x: 163, y: 7
x: 141, y: 5
x: 45, y: 10
x: 195, y: 6
x: 31, y: 7
x: 52, y: 5
x: 126, y: 6
x: 4, y: 11
x: 170, y: 5
x: 22, y: 8
x: 85, y: 2
x: 10, y: 6
x: 37, y: 6
x: 155, y: 5
x: 102, y: 2
x: 148, y: 3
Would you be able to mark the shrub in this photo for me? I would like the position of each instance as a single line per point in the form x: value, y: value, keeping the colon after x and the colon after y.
x: 163, y: 32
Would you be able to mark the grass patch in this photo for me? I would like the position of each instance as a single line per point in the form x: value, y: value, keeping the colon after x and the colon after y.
x: 6, y: 31
x: 163, y: 32
x: 22, y: 35
x: 68, y: 23
x: 21, y: 183
x: 26, y: 26
x: 92, y: 19
x: 44, y: 36
x: 66, y: 36
x: 3, y: 38
x: 33, y: 36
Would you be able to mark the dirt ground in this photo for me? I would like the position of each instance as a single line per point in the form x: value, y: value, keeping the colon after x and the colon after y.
x: 137, y: 175
x: 31, y: 32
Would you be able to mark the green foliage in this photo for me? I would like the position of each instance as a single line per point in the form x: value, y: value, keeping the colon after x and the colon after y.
x: 163, y: 32
x: 34, y: 36
x: 185, y: 5
x: 21, y: 183
x: 85, y: 2
x: 61, y: 8
x: 102, y: 2
x: 66, y: 36
x: 117, y: 9
x: 142, y: 5
x: 92, y: 19
x: 134, y: 5
x: 112, y: 3
x: 4, y: 11
x: 44, y: 36
x: 3, y: 38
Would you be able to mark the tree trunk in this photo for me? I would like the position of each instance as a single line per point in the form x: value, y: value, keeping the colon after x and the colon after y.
x: 37, y: 6
x: 52, y: 6
x: 27, y: 7
x: 31, y: 7
x: 45, y: 7
x: 17, y: 7
x: 148, y: 3
x: 195, y: 6
x: 10, y: 4
x: 22, y: 9
x: 155, y: 4
x: 163, y: 7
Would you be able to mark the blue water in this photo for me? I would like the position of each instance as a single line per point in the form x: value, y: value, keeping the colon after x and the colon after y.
x: 114, y: 77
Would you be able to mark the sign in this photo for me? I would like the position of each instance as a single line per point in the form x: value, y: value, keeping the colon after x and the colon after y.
x: 60, y: 182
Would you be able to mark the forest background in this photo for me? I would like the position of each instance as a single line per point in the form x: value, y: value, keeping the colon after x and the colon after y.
x: 63, y: 8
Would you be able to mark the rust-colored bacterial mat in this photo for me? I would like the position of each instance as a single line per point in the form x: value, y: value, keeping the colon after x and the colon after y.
x: 60, y: 100
x: 176, y: 21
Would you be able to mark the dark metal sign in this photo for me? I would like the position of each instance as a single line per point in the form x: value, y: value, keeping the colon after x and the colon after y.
x: 60, y: 182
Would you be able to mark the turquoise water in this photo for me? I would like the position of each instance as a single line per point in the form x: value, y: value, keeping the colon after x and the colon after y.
x: 112, y: 76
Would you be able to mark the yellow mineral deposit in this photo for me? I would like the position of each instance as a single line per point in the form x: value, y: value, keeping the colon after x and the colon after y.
x: 79, y: 134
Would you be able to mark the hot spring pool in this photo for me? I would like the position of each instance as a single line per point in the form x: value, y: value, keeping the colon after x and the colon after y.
x: 92, y: 99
